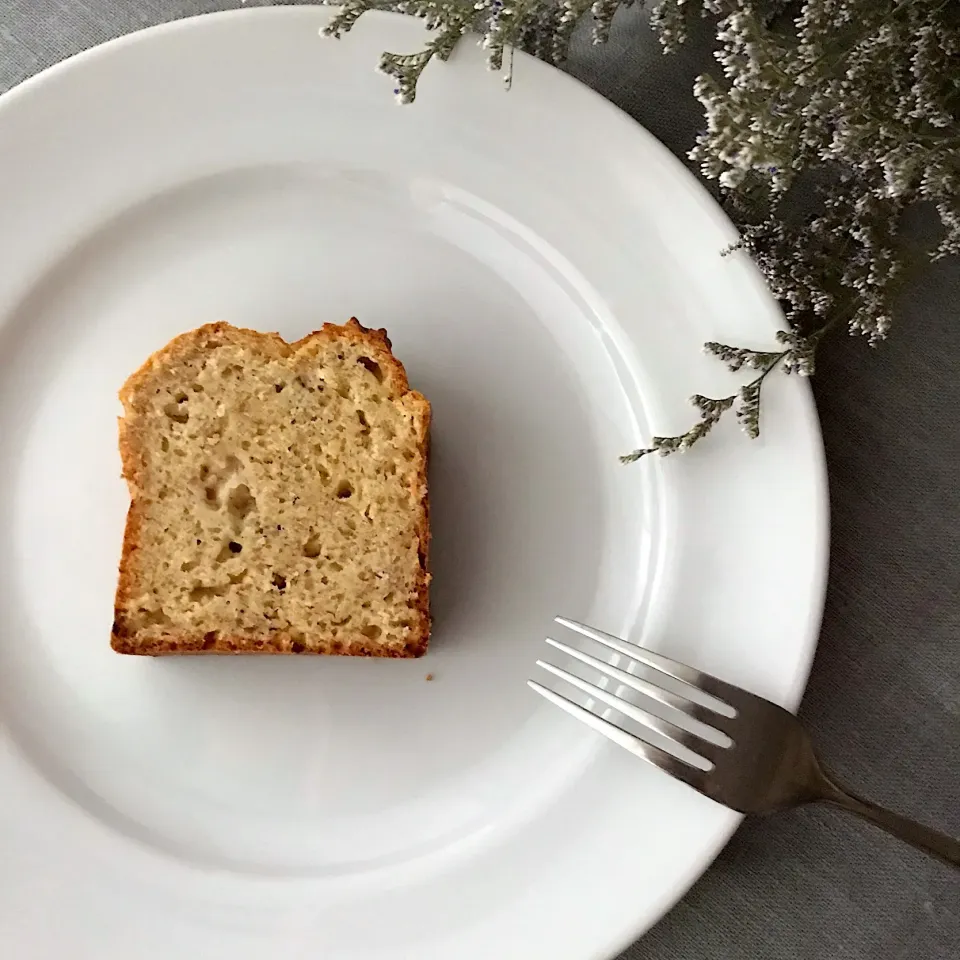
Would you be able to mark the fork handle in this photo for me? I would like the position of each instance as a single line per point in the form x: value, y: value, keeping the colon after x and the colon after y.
x: 931, y: 841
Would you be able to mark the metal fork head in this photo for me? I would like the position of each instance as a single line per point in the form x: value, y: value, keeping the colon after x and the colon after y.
x: 733, y: 746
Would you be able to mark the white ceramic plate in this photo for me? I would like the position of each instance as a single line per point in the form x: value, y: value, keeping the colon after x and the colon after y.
x: 548, y: 273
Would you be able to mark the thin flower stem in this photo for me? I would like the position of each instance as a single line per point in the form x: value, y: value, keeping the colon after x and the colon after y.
x: 713, y: 408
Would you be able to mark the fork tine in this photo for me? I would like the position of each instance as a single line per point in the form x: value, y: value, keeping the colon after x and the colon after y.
x: 686, y: 706
x: 692, y: 776
x: 687, y: 741
x: 718, y: 689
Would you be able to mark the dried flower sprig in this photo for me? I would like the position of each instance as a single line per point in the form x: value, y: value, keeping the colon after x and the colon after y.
x: 860, y: 96
x: 796, y: 356
x: 711, y: 410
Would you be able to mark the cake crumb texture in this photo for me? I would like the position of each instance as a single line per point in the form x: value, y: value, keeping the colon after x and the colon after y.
x: 278, y: 498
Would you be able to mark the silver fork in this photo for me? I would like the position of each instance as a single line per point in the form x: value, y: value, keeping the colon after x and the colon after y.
x: 733, y: 746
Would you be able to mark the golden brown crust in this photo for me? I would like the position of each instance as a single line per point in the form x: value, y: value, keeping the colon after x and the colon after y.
x: 377, y: 344
x: 275, y: 644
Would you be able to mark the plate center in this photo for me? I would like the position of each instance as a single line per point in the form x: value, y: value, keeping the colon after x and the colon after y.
x: 301, y: 764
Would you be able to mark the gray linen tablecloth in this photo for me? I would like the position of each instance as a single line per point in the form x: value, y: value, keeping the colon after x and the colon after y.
x: 884, y: 699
